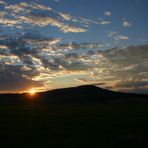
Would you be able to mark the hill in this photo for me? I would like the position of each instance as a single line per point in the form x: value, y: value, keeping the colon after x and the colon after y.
x: 80, y: 94
x: 90, y: 93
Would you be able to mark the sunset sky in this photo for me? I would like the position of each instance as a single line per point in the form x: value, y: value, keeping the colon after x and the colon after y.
x: 49, y: 44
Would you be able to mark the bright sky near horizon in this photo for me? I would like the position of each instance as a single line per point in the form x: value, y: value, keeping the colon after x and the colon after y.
x: 49, y: 44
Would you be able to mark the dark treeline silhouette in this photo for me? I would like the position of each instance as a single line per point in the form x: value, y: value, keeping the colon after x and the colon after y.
x: 80, y: 94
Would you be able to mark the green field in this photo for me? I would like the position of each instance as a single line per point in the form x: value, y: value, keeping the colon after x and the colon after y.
x: 73, y: 126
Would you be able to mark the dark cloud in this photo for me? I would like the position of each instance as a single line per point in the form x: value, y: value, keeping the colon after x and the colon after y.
x: 131, y: 84
x: 16, y: 79
x: 76, y: 66
x: 82, y: 46
x: 124, y: 67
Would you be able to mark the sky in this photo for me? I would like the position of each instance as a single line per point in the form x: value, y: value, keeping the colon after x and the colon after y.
x: 50, y: 44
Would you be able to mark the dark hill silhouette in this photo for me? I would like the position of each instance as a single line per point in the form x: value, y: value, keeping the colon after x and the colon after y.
x: 85, y: 92
x: 91, y: 93
x: 80, y: 94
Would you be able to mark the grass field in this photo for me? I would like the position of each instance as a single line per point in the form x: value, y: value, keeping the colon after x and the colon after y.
x: 73, y: 126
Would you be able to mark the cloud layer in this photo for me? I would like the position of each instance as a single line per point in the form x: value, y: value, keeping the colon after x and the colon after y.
x: 37, y: 61
x: 17, y: 15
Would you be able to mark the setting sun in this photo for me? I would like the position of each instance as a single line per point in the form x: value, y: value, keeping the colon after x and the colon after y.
x: 32, y: 92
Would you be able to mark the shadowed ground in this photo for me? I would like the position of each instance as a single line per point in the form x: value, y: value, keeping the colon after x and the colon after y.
x: 73, y: 126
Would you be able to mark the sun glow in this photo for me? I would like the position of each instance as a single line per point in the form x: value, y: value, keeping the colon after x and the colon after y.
x: 32, y: 92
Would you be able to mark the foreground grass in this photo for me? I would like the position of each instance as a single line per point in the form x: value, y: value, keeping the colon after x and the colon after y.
x: 73, y: 126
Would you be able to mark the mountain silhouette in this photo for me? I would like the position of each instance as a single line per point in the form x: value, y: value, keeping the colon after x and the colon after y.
x: 91, y: 93
x: 80, y: 94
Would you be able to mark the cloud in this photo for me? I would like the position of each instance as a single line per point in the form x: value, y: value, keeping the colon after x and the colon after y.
x: 117, y: 37
x: 126, y: 24
x: 124, y: 66
x: 44, y: 20
x: 76, y: 46
x: 65, y: 16
x: 8, y: 22
x: 122, y: 37
x: 133, y: 84
x: 24, y: 7
x: 16, y: 8
x: 39, y: 15
x: 32, y: 14
x: 2, y: 2
x: 28, y: 44
x: 31, y: 57
x: 122, y: 69
x: 108, y: 13
x: 104, y: 22
x: 2, y: 13
x: 14, y: 79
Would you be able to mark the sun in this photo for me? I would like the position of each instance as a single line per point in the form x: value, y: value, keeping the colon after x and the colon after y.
x: 32, y: 92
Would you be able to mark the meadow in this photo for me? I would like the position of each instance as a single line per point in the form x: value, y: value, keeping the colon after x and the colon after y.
x: 73, y: 125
